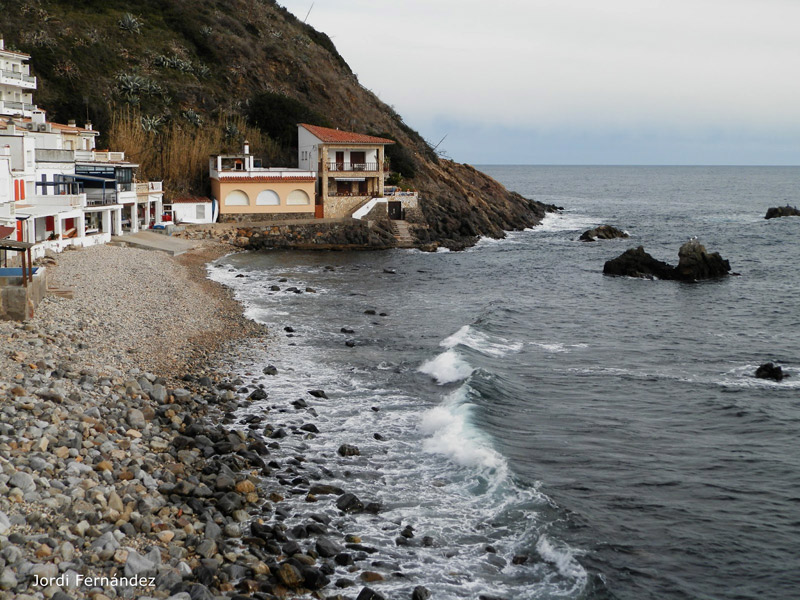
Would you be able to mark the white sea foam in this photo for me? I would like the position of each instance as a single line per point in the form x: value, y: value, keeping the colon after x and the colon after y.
x: 554, y: 222
x: 471, y: 338
x: 562, y: 558
x: 448, y: 367
x: 451, y: 434
x: 557, y: 347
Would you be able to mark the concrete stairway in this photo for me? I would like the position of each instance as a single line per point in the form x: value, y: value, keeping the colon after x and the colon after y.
x: 402, y: 234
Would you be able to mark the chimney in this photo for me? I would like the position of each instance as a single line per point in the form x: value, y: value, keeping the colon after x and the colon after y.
x: 71, y: 122
x: 2, y: 44
x: 246, y: 147
x: 38, y: 117
x: 88, y: 126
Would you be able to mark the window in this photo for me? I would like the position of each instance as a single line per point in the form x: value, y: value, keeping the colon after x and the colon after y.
x: 268, y: 198
x: 201, y: 211
x: 298, y: 197
x: 237, y: 198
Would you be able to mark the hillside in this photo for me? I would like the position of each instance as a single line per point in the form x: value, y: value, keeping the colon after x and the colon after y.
x: 172, y: 81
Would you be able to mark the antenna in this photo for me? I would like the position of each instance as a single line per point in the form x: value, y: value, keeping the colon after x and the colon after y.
x: 308, y: 13
x: 440, y: 141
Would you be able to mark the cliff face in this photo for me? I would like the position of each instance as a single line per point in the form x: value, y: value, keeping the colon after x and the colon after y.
x: 191, y: 64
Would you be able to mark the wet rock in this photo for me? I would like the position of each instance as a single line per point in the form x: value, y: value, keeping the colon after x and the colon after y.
x: 290, y: 575
x: 771, y: 371
x: 520, y: 559
x: 327, y: 548
x: 309, y: 427
x: 258, y: 394
x: 349, y: 503
x: 270, y: 370
x: 635, y: 262
x: 322, y: 490
x: 346, y: 330
x: 370, y: 311
x: 348, y: 450
x: 420, y: 593
x: 695, y: 263
x: 782, y: 211
x: 603, y: 232
x: 318, y: 394
x: 370, y: 594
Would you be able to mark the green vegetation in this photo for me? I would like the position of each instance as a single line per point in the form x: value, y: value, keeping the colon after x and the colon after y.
x: 278, y: 115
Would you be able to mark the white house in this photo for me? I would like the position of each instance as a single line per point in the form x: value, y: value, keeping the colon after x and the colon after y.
x: 16, y: 83
x: 193, y: 209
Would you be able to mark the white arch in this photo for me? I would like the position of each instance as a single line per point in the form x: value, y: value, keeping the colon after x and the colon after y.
x: 237, y: 198
x: 268, y: 198
x: 297, y: 197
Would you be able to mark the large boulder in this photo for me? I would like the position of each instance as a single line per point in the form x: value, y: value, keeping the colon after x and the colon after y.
x: 603, y: 232
x: 695, y: 263
x: 635, y: 262
x: 782, y: 211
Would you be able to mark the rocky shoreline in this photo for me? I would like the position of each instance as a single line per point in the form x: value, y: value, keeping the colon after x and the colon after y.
x: 126, y: 471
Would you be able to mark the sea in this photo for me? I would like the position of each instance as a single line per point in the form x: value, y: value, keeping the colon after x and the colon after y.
x: 548, y: 431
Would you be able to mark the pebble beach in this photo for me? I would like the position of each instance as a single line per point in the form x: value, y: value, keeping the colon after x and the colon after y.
x: 120, y: 473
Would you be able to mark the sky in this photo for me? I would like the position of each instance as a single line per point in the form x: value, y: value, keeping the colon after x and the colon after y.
x: 581, y: 81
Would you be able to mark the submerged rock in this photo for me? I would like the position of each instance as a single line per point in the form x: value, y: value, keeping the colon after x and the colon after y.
x: 635, y: 262
x: 782, y: 211
x: 603, y: 232
x: 771, y: 371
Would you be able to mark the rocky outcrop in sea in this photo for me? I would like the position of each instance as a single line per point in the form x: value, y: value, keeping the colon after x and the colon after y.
x: 602, y: 232
x: 782, y: 211
x: 695, y: 264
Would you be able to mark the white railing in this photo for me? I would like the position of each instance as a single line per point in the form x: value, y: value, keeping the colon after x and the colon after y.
x: 146, y: 187
x: 267, y: 173
x: 99, y: 156
x: 17, y: 78
x: 69, y: 200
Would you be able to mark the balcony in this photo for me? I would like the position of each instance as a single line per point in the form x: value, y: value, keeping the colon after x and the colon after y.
x: 354, y: 167
x: 99, y: 156
x: 148, y: 187
x: 17, y: 108
x: 17, y: 79
x: 54, y: 156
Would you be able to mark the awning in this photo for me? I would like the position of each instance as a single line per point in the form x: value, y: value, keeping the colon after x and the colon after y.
x: 350, y: 178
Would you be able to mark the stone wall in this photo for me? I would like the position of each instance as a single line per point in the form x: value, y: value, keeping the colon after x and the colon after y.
x: 339, y: 207
x: 250, y: 217
x: 317, y: 234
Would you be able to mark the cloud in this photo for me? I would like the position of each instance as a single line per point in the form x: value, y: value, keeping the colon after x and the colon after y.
x: 547, y: 65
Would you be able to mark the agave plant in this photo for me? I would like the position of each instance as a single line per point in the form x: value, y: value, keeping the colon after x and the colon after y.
x: 193, y: 118
x: 130, y: 23
x: 151, y: 123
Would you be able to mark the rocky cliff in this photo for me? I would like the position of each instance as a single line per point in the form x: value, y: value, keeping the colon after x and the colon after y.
x: 176, y: 65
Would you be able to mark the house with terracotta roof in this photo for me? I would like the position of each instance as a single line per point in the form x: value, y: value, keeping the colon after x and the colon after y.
x: 351, y: 167
x: 248, y: 191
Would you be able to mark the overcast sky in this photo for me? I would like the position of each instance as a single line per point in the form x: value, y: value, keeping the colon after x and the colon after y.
x: 581, y: 81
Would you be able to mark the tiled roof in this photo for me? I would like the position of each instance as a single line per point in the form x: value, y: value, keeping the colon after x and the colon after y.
x: 190, y: 200
x: 257, y: 179
x: 335, y: 136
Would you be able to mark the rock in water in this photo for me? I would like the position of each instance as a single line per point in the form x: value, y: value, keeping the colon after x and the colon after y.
x: 635, y: 262
x: 770, y: 371
x: 695, y: 263
x: 782, y: 211
x: 603, y: 232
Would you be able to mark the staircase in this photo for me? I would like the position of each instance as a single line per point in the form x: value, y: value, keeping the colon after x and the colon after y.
x: 402, y: 234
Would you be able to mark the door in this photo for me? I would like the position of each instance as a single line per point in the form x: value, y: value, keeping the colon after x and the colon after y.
x: 395, y: 210
x: 358, y: 161
x: 339, y: 161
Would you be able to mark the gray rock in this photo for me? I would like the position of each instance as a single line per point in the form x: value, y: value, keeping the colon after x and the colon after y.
x: 207, y: 548
x: 8, y: 579
x: 138, y: 564
x: 22, y: 481
x: 327, y: 548
x: 158, y: 393
x: 5, y: 524
x: 136, y: 419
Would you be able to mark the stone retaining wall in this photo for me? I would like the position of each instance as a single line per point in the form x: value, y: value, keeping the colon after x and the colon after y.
x: 249, y: 217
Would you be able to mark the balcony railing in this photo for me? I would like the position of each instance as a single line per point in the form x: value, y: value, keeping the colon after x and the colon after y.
x: 21, y: 106
x: 17, y: 76
x: 98, y: 156
x: 348, y: 166
x: 146, y: 187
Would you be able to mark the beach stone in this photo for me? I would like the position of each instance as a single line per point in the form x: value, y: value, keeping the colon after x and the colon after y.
x: 318, y: 394
x: 370, y: 594
x: 8, y: 579
x: 290, y: 575
x: 327, y: 548
x: 207, y: 548
x: 23, y: 481
x: 270, y: 370
x: 420, y: 593
x: 5, y: 523
x: 136, y: 418
x: 349, y: 503
x: 371, y: 576
x: 348, y: 450
x: 136, y: 564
